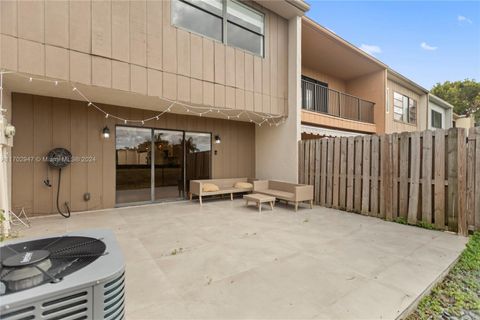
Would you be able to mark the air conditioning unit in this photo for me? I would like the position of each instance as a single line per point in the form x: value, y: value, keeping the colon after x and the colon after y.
x: 75, y: 276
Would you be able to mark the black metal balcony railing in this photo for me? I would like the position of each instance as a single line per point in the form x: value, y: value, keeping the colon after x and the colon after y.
x: 318, y: 98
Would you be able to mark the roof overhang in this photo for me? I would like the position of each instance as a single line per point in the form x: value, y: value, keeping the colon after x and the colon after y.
x: 440, y: 102
x: 404, y: 81
x: 319, y: 131
x: 325, y: 51
x: 286, y: 8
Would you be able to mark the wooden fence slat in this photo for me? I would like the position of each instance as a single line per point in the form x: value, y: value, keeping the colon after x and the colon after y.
x: 427, y: 176
x: 387, y: 176
x: 301, y: 155
x: 477, y: 179
x: 311, y: 163
x: 357, y: 200
x: 323, y: 178
x: 350, y: 171
x: 470, y: 209
x: 462, y: 182
x: 395, y: 175
x: 306, y: 162
x: 366, y: 175
x: 343, y: 172
x: 317, y: 170
x: 452, y: 174
x: 403, y: 186
x: 414, y: 178
x: 439, y: 179
x: 329, y: 171
x: 374, y: 174
x: 336, y: 172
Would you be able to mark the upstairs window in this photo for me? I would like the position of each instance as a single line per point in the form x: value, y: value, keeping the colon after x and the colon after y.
x: 404, y: 108
x: 437, y: 119
x: 229, y: 21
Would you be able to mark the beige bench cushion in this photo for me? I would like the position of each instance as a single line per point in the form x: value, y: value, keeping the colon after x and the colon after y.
x: 209, y: 187
x: 243, y: 185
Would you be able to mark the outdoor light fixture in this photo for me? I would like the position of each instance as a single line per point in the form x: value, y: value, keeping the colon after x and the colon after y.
x: 217, y: 139
x: 106, y: 133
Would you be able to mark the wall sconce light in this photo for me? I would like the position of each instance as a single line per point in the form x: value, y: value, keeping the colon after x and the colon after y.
x: 217, y: 139
x: 106, y: 133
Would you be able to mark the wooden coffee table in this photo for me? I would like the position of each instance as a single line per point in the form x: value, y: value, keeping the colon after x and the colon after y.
x: 259, y: 199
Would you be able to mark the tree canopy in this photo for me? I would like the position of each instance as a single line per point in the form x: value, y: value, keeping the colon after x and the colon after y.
x: 463, y: 95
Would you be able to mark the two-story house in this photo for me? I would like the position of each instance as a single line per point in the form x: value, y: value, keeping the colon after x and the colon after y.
x: 147, y: 95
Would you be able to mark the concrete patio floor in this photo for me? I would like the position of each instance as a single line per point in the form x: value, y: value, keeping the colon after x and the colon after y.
x: 232, y: 262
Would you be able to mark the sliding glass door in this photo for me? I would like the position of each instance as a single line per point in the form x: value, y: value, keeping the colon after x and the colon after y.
x: 169, y: 154
x: 133, y: 164
x: 157, y: 164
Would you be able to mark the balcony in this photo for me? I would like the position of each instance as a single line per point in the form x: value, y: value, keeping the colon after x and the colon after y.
x: 321, y: 99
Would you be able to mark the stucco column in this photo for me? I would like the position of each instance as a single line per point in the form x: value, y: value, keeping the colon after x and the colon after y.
x: 276, y: 148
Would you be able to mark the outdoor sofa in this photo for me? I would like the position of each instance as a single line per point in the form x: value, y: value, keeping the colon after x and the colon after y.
x: 289, y: 192
x: 225, y: 186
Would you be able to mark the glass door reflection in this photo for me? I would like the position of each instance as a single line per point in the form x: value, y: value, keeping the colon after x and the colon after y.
x: 133, y: 164
x: 198, y: 150
x: 169, y: 159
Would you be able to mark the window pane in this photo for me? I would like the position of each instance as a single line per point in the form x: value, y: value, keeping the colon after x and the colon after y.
x: 187, y: 16
x: 244, y: 39
x: 213, y: 6
x: 405, y: 109
x: 412, y: 111
x: 397, y: 96
x: 244, y: 16
x: 436, y: 119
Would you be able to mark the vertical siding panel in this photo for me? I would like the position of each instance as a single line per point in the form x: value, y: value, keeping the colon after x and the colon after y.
x: 249, y: 72
x: 183, y: 52
x: 8, y: 17
x: 56, y: 23
x: 138, y: 32
x: 169, y: 41
x: 121, y: 30
x: 79, y: 171
x: 239, y: 69
x: 80, y: 26
x: 154, y: 34
x: 31, y: 20
x: 219, y: 67
x: 196, y: 56
x: 282, y: 57
x: 101, y: 28
x: 22, y: 182
x: 273, y: 64
x: 208, y: 59
x: 230, y: 66
x: 61, y: 139
x: 42, y: 140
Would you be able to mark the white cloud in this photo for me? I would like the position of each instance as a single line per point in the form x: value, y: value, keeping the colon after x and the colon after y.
x: 463, y: 19
x: 371, y: 49
x: 427, y: 47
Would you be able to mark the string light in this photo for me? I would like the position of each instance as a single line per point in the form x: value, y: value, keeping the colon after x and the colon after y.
x: 226, y: 112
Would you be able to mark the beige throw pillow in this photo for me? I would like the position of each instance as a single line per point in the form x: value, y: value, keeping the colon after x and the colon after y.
x: 209, y: 187
x: 243, y: 185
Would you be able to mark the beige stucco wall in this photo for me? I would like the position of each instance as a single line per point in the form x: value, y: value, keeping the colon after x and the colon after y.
x: 392, y: 125
x: 43, y: 123
x: 132, y: 46
x: 276, y: 148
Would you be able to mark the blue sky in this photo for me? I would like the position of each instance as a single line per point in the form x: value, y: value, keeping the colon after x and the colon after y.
x: 427, y: 41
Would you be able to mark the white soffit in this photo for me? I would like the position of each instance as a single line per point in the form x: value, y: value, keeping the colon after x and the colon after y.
x: 319, y: 131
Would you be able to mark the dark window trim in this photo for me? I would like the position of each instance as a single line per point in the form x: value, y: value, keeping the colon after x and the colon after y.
x: 225, y: 21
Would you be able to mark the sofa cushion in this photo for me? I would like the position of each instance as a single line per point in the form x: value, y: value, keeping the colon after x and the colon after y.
x: 243, y: 185
x: 278, y: 194
x: 209, y: 187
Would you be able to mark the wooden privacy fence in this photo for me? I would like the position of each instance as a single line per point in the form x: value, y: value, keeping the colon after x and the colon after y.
x: 430, y: 177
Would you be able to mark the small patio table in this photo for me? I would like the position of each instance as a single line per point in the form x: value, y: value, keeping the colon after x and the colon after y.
x: 259, y: 199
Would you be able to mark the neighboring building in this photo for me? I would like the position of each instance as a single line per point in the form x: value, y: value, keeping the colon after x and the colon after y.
x: 343, y: 88
x: 440, y: 113
x: 346, y: 91
x: 132, y: 59
x: 407, y: 104
x: 462, y: 121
